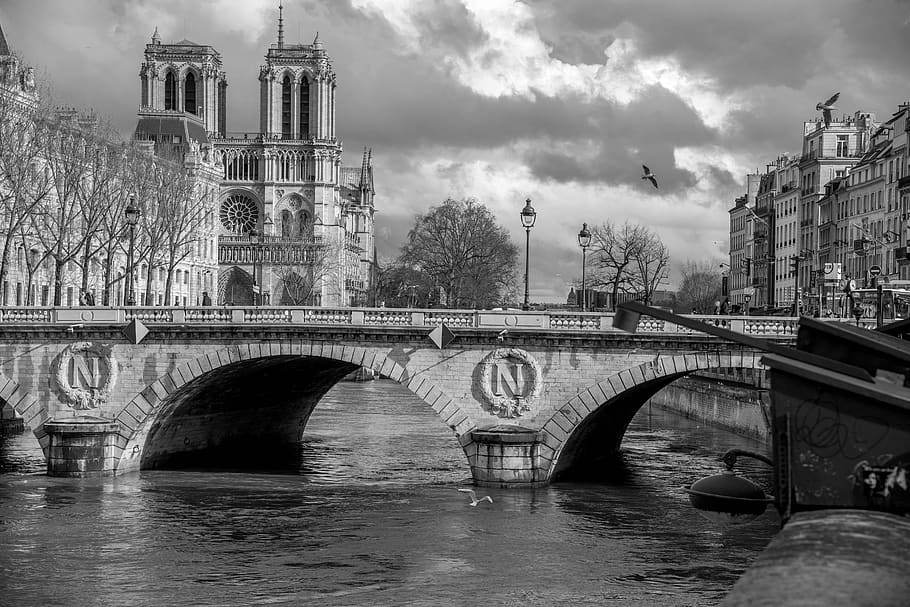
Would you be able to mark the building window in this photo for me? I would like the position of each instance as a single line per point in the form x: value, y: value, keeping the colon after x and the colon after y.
x: 170, y: 92
x: 304, y: 108
x: 286, y: 107
x: 189, y: 94
x: 841, y: 150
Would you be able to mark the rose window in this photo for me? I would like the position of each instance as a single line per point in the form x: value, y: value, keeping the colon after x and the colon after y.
x: 239, y: 214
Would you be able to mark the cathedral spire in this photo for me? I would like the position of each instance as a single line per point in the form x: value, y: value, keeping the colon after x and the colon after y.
x: 156, y: 39
x: 280, y: 26
x: 363, y: 170
x: 4, y: 47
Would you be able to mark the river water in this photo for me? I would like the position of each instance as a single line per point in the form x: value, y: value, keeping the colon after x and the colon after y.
x: 374, y: 518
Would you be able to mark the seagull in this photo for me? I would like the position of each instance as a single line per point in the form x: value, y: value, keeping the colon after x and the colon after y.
x: 474, y: 500
x: 826, y: 107
x: 649, y: 175
x: 502, y: 334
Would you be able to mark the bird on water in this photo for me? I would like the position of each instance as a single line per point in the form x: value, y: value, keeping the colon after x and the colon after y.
x: 474, y: 500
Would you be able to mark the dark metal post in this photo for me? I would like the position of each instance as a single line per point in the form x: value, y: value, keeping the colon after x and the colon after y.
x: 879, y: 314
x: 584, y: 239
x: 584, y: 292
x: 130, y: 295
x: 527, y: 261
x: 528, y: 216
x: 131, y: 216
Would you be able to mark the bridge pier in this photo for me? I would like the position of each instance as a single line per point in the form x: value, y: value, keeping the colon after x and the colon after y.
x: 506, y: 456
x: 81, y: 447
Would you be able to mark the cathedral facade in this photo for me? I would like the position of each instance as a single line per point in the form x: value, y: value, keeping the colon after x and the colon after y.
x: 295, y: 227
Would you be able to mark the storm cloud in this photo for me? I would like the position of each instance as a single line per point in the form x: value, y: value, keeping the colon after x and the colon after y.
x: 558, y: 101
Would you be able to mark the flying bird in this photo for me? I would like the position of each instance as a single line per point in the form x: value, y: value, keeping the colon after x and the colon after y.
x: 826, y: 107
x: 649, y: 175
x: 474, y: 500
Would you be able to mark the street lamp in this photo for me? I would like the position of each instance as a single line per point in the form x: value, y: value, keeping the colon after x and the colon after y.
x: 528, y: 217
x: 584, y: 239
x: 131, y: 216
x: 254, y: 239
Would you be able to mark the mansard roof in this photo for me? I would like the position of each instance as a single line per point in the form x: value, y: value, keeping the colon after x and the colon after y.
x: 4, y: 47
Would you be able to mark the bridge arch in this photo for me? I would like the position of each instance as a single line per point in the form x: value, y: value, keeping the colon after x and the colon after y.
x: 589, y: 427
x: 27, y: 406
x: 144, y: 418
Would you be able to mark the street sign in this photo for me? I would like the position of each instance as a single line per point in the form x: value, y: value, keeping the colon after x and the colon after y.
x: 748, y: 298
x: 875, y: 271
x: 832, y: 271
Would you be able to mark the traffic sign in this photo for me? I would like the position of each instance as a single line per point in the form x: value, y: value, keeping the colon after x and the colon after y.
x: 748, y: 297
x: 875, y: 270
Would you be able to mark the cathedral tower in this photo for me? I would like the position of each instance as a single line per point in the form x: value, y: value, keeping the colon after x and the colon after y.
x: 297, y: 91
x: 184, y: 77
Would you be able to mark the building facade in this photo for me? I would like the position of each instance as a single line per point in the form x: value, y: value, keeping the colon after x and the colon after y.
x: 64, y: 238
x: 295, y: 227
x: 829, y: 214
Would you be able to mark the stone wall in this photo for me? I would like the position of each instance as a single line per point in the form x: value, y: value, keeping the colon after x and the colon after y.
x: 742, y: 408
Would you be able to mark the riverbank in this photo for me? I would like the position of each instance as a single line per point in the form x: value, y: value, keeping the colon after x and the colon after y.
x: 741, y: 405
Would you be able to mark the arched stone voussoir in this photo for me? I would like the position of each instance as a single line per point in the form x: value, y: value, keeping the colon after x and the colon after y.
x: 568, y: 417
x: 139, y: 414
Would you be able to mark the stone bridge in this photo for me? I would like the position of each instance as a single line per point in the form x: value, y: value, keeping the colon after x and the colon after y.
x: 530, y: 396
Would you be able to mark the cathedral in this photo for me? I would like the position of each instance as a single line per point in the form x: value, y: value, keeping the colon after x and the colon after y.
x: 294, y: 226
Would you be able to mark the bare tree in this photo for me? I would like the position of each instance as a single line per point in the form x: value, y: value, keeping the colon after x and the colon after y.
x: 653, y: 263
x: 24, y: 181
x: 60, y: 221
x: 303, y: 270
x: 96, y: 195
x: 184, y: 208
x: 700, y: 286
x: 460, y: 247
x: 628, y: 259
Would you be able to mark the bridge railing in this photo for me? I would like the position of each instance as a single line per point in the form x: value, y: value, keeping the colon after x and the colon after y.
x: 556, y: 320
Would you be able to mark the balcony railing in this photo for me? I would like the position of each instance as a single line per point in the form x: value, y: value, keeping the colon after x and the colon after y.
x: 271, y: 252
x: 235, y: 137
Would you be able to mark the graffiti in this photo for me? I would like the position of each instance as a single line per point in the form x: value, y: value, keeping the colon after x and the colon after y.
x: 819, y: 425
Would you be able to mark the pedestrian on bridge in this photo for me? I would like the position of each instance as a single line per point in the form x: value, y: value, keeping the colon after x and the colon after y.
x: 89, y: 298
x: 206, y: 300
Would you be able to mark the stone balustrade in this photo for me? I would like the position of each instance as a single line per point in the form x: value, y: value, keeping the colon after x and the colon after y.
x: 556, y: 320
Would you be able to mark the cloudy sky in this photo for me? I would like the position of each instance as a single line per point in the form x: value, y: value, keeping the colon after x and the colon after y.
x: 561, y: 101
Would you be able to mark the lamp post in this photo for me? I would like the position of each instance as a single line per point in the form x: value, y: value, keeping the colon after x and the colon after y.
x: 254, y: 239
x: 584, y: 239
x: 131, y: 215
x: 528, y: 217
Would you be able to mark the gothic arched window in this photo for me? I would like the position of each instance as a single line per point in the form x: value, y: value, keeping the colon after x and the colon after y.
x: 170, y: 92
x: 286, y: 107
x: 304, y: 108
x: 189, y: 94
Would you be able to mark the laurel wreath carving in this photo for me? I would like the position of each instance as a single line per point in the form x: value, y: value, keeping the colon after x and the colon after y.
x: 81, y: 398
x: 509, y: 406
